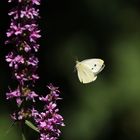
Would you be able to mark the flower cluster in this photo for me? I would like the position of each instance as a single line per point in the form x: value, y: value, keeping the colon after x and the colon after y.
x: 23, y: 34
x: 49, y: 120
x: 37, y: 2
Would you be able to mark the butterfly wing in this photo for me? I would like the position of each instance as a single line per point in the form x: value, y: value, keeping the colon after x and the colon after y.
x: 96, y: 65
x: 85, y: 74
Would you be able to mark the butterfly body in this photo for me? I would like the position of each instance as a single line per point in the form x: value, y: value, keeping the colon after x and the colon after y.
x: 88, y: 69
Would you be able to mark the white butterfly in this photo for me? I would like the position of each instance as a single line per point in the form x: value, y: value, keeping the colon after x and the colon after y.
x: 88, y: 69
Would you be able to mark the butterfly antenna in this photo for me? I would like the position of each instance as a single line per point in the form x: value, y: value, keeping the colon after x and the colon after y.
x: 76, y: 60
x: 76, y: 63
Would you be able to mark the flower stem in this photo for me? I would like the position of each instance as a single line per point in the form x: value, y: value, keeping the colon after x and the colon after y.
x: 23, y: 137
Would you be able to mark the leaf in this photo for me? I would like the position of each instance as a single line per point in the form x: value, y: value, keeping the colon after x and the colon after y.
x: 31, y: 125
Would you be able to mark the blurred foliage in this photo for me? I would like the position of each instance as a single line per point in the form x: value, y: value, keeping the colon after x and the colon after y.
x: 107, y: 109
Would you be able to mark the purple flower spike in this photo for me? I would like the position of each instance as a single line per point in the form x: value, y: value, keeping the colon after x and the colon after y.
x: 13, y: 94
x: 23, y: 35
x: 49, y: 121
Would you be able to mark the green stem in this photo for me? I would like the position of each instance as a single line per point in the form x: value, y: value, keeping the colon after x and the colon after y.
x: 22, y: 130
x: 23, y: 137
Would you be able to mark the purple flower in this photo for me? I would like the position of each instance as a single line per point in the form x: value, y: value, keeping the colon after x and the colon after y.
x: 14, y: 61
x: 37, y: 2
x: 54, y: 94
x: 33, y: 31
x: 26, y: 47
x: 34, y: 77
x: 34, y: 112
x: 34, y: 35
x: 47, y: 137
x: 21, y: 115
x: 15, y: 94
x: 14, y: 0
x: 31, y: 27
x: 21, y: 77
x: 36, y: 47
x: 15, y: 29
x: 53, y: 89
x: 48, y: 122
x: 31, y: 96
x: 29, y: 13
x: 14, y: 14
x: 33, y: 61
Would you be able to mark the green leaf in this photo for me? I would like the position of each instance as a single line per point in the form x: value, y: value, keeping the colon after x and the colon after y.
x: 31, y: 125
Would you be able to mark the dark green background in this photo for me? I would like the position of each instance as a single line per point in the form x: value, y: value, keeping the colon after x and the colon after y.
x: 107, y: 109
